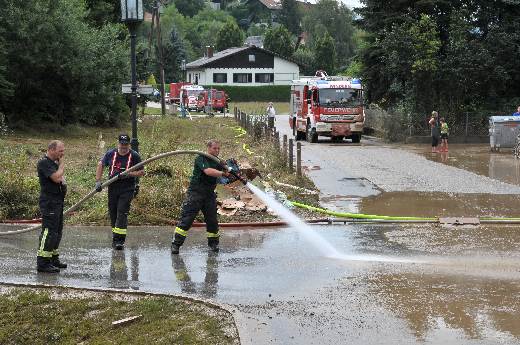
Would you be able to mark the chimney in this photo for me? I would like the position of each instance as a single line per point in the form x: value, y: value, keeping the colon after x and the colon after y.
x: 209, y: 52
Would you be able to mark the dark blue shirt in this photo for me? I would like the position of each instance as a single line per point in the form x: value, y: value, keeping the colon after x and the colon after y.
x: 118, y: 164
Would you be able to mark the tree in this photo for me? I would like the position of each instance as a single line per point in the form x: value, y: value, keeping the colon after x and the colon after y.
x: 336, y: 19
x: 189, y: 8
x: 174, y: 52
x: 325, y: 54
x: 290, y: 16
x: 305, y: 58
x: 66, y: 71
x: 229, y: 36
x: 279, y: 40
x: 101, y: 12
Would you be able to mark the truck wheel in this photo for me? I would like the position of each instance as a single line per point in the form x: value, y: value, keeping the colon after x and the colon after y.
x: 311, y: 134
x: 356, y: 138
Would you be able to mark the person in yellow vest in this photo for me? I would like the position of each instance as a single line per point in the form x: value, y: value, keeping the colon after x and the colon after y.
x: 444, y: 135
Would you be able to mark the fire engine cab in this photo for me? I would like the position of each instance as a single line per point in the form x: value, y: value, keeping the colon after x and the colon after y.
x: 327, y: 106
x: 190, y: 95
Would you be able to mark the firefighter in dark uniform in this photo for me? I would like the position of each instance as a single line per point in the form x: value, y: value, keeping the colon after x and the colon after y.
x: 52, y: 194
x: 201, y: 197
x: 121, y: 192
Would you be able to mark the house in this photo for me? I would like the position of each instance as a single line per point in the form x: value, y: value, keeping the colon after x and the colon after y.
x: 243, y: 66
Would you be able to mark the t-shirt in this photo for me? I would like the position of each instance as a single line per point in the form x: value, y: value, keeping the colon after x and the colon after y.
x: 199, y: 179
x: 271, y: 112
x: 516, y: 114
x: 118, y: 164
x: 444, y: 128
x: 46, y: 167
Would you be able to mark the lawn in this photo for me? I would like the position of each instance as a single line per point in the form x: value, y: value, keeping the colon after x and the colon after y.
x: 68, y: 316
x: 259, y: 107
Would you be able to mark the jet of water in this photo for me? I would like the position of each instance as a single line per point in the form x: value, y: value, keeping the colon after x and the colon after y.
x: 310, y: 234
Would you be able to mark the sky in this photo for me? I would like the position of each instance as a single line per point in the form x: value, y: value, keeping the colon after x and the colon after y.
x: 351, y: 3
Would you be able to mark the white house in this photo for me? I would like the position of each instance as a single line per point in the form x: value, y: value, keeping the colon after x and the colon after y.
x: 246, y: 66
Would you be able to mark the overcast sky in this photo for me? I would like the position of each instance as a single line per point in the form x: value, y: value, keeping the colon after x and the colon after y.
x: 352, y: 3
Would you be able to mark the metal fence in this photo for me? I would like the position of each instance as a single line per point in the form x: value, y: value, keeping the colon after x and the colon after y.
x: 461, y: 125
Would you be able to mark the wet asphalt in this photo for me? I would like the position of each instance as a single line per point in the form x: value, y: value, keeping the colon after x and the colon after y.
x: 400, y: 284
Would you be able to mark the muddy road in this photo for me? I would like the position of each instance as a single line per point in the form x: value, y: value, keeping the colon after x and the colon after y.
x: 399, y: 283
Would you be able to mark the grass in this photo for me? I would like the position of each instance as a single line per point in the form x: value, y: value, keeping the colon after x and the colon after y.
x: 63, y: 316
x: 259, y: 107
x: 162, y: 189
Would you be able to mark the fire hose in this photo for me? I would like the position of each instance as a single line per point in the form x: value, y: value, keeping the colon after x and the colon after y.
x: 115, y: 178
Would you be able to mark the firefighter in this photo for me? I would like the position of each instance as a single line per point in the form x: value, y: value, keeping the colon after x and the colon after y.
x: 201, y: 197
x: 122, y: 191
x: 52, y: 194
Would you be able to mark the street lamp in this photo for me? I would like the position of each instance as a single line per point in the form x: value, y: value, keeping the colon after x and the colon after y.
x: 132, y: 14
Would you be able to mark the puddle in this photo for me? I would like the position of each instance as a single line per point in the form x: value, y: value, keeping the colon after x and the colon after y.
x: 479, y: 159
x: 422, y: 204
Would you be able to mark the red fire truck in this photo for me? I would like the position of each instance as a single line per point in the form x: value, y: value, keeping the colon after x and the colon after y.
x: 175, y: 91
x: 190, y: 95
x: 218, y: 100
x: 327, y: 106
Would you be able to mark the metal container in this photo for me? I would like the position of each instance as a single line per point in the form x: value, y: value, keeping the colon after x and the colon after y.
x: 503, y: 131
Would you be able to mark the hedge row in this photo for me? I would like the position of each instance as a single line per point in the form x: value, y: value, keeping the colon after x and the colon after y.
x: 268, y: 93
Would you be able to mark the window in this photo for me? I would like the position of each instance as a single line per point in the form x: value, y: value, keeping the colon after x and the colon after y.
x: 242, y: 77
x: 189, y: 78
x: 264, y: 77
x: 252, y: 58
x: 220, y: 77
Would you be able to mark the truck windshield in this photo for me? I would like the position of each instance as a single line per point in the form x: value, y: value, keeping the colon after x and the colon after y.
x: 342, y: 97
x: 193, y: 92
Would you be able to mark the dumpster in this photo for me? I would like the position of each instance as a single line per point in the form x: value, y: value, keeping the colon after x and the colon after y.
x: 503, y: 131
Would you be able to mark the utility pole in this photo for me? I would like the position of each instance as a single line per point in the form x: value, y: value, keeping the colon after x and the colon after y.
x: 156, y: 18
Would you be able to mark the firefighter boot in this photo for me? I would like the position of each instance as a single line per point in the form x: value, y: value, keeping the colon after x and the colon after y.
x: 178, y: 240
x: 175, y: 248
x: 44, y: 265
x: 213, y: 245
x: 55, y: 261
x: 118, y: 241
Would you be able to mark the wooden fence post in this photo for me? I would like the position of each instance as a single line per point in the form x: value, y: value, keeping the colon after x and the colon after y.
x: 277, y: 141
x: 284, y: 149
x: 299, y: 159
x: 291, y: 147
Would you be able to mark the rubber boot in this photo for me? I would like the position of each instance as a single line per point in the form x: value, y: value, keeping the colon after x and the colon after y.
x: 44, y: 265
x: 177, y: 242
x: 213, y: 245
x: 55, y: 261
x: 118, y: 241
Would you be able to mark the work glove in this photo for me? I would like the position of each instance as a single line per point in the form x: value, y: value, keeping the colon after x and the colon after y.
x: 98, y: 186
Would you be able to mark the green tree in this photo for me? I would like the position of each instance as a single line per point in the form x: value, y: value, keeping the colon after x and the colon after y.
x: 229, y: 36
x: 65, y: 71
x: 305, y: 58
x: 189, y: 8
x: 279, y: 40
x: 325, y: 54
x: 335, y: 18
x: 101, y: 12
x: 290, y: 16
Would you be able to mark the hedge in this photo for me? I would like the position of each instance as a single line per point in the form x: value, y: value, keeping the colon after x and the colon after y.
x: 268, y: 93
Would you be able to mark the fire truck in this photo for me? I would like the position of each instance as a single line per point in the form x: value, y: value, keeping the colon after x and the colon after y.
x: 175, y: 91
x: 218, y: 100
x: 327, y: 106
x: 190, y: 95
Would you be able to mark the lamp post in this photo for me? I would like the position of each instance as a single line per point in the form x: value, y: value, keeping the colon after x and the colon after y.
x: 132, y: 14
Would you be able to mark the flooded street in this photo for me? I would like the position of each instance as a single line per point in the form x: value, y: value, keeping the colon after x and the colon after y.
x: 391, y: 283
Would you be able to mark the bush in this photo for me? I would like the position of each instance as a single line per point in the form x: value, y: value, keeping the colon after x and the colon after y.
x: 268, y: 93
